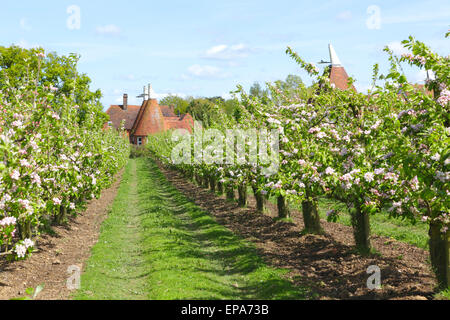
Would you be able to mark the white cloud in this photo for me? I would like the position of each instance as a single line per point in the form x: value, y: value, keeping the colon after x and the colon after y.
x: 226, y: 52
x: 201, y: 71
x: 110, y: 29
x: 216, y: 49
x: 205, y: 71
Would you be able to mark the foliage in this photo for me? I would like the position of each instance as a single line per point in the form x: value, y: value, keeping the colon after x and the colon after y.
x: 54, y: 153
x: 180, y: 104
x: 25, y: 67
x: 389, y: 148
x: 138, y: 151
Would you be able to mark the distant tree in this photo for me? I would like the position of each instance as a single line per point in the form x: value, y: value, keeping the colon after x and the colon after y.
x: 217, y: 99
x: 180, y: 104
x: 257, y: 91
x: 201, y: 109
x: 293, y: 87
x: 230, y: 106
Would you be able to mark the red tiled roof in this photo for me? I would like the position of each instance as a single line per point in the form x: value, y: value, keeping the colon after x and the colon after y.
x: 167, y: 111
x: 339, y: 77
x: 149, y: 120
x: 183, y: 122
x: 117, y: 114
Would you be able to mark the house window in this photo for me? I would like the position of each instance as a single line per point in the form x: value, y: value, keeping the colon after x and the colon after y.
x: 110, y: 124
x: 139, y: 141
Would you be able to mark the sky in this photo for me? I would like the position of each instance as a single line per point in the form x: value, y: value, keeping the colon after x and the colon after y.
x: 206, y: 48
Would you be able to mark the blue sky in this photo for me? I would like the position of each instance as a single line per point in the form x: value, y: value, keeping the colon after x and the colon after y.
x: 206, y: 48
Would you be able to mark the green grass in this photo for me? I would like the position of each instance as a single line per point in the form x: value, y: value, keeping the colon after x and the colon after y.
x: 383, y: 225
x: 443, y: 295
x: 157, y: 244
x: 380, y: 223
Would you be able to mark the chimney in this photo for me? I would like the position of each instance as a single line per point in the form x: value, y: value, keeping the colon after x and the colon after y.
x: 125, y: 102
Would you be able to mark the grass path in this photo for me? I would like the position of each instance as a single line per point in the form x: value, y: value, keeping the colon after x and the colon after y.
x: 116, y: 269
x: 157, y: 244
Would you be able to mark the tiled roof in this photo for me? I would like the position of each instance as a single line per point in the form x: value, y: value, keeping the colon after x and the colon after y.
x: 117, y: 114
x: 183, y: 122
x: 167, y: 111
x: 339, y: 77
x: 150, y: 119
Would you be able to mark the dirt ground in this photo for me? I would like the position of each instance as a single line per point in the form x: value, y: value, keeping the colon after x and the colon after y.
x: 71, y: 245
x: 325, y: 263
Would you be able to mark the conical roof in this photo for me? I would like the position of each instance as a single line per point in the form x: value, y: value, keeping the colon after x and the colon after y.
x: 338, y: 75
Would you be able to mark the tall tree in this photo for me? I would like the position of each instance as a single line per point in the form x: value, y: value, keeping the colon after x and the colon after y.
x: 59, y: 72
x: 180, y: 104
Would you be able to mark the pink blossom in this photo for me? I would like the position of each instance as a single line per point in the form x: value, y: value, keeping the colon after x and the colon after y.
x: 8, y: 221
x: 369, y: 176
x: 15, y: 175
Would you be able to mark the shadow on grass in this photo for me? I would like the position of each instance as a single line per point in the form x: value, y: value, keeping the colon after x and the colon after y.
x: 193, y: 238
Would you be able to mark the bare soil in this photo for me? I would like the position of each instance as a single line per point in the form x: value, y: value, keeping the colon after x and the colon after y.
x: 69, y: 245
x: 328, y: 264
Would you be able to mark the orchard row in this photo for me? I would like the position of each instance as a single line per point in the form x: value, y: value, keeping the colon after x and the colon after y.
x: 54, y: 154
x: 385, y: 150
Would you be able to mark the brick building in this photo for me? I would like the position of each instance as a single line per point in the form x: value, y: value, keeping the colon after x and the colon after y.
x: 147, y: 119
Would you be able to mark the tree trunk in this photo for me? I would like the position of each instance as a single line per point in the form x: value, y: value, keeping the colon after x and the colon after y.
x: 230, y: 192
x: 205, y: 182
x: 311, y: 216
x: 260, y: 200
x: 361, y: 229
x: 219, y: 187
x: 242, y: 191
x: 24, y: 230
x: 212, y: 184
x: 439, y: 255
x: 60, y: 217
x: 283, y: 209
x: 198, y: 179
